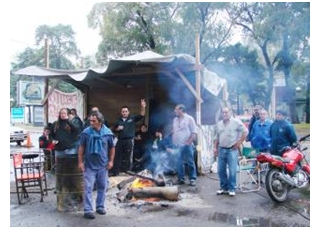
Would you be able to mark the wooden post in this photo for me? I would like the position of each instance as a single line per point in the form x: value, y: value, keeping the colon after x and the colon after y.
x: 46, y: 84
x: 198, y: 103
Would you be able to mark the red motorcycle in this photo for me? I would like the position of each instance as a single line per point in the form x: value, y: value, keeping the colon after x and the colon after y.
x: 292, y: 170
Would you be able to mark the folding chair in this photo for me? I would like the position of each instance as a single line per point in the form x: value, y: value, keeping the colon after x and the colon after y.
x: 249, y: 175
x: 29, y: 175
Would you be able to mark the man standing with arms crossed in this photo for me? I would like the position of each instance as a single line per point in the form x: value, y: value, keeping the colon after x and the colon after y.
x: 95, y: 158
x: 230, y: 133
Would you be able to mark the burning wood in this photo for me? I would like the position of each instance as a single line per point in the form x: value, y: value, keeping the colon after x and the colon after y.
x: 144, y: 187
x: 167, y: 193
x: 159, y: 182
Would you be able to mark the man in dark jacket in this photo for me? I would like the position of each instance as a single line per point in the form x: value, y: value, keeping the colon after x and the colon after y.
x: 125, y: 128
x: 282, y: 134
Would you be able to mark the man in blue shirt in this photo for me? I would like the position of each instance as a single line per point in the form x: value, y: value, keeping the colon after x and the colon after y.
x: 95, y: 158
x: 260, y: 133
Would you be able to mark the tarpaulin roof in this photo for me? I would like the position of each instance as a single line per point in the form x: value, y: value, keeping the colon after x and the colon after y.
x: 138, y: 65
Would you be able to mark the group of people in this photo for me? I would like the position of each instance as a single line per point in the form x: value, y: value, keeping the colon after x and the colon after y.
x: 101, y: 150
x: 267, y: 135
x: 92, y: 145
x: 170, y: 154
x: 264, y: 134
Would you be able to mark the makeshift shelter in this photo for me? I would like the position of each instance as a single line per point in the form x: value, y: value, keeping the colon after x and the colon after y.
x: 163, y: 81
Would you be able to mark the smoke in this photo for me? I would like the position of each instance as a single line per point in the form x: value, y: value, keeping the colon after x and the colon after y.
x: 163, y: 161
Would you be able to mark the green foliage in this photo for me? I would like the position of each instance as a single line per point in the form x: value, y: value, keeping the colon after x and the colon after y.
x: 245, y: 75
x: 62, y: 46
x: 61, y: 43
x: 279, y: 30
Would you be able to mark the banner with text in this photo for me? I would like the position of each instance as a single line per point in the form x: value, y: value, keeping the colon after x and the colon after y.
x: 59, y: 99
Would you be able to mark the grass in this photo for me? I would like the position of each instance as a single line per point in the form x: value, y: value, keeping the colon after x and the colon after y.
x: 302, y: 126
x: 302, y: 129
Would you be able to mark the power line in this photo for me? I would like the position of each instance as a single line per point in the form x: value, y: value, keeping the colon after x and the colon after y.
x: 22, y: 42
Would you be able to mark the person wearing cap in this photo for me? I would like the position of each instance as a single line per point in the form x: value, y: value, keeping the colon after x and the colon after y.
x: 253, y: 119
x: 282, y: 134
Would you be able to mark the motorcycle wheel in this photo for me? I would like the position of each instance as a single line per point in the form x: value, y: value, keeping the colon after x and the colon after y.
x: 276, y: 188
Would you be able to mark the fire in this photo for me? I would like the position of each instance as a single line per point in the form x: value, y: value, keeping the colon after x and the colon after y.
x: 140, y: 183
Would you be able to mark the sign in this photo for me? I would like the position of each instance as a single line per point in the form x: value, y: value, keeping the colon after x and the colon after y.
x: 279, y: 82
x: 59, y: 99
x: 30, y: 92
x: 17, y: 115
x: 38, y: 116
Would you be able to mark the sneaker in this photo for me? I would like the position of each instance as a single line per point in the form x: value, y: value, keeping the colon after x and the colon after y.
x: 101, y: 211
x: 221, y: 191
x: 181, y: 182
x: 192, y: 182
x: 89, y: 215
x: 232, y: 193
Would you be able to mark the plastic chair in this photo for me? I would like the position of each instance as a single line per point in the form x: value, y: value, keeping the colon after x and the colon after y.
x: 29, y: 175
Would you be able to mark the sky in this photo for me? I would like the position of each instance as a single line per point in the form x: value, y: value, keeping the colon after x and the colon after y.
x: 26, y: 16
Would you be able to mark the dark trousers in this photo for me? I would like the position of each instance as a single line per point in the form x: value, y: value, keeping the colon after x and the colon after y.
x: 123, y: 156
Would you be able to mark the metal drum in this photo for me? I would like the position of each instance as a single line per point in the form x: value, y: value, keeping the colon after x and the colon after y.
x: 69, y: 184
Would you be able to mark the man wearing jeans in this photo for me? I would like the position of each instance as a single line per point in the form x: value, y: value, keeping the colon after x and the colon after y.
x: 96, y: 155
x: 230, y: 133
x: 183, y: 134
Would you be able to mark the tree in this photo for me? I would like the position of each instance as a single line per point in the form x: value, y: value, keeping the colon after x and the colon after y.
x: 62, y: 44
x: 130, y: 27
x: 244, y: 74
x: 166, y: 28
x: 278, y: 29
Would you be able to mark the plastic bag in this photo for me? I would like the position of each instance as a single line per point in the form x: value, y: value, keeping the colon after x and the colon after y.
x: 214, y: 167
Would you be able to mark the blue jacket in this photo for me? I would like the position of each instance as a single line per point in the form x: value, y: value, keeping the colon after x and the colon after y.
x: 260, y: 135
x: 282, y: 134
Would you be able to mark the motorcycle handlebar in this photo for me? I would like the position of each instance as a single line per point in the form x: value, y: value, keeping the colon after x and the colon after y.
x: 304, y: 138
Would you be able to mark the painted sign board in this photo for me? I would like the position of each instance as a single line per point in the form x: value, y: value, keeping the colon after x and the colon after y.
x: 17, y: 115
x: 30, y: 92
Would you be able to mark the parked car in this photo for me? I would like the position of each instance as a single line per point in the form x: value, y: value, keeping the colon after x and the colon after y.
x: 18, y: 134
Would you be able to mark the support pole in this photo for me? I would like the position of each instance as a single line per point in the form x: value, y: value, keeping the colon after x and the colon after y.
x: 198, y: 104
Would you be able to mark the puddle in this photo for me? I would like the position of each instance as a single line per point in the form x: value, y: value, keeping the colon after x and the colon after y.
x: 249, y: 222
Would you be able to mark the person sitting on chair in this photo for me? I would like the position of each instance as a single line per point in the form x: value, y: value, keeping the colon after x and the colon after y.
x: 46, y: 143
